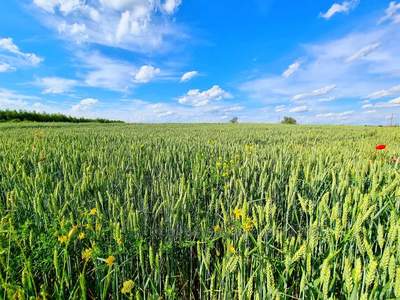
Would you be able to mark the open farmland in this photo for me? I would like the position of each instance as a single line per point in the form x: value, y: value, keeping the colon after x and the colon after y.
x: 199, y: 211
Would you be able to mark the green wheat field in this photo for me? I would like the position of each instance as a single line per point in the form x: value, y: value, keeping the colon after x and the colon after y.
x: 118, y: 211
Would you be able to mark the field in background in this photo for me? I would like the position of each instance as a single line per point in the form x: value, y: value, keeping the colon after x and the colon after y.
x: 198, y: 211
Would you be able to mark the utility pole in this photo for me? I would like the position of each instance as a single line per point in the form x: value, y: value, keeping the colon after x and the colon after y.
x: 391, y: 120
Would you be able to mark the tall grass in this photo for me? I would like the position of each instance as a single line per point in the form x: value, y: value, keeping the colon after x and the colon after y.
x: 199, y: 211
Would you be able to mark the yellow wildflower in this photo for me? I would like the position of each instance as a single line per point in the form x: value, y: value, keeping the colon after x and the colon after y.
x: 81, y: 236
x: 237, y: 212
x: 249, y: 149
x: 217, y: 228
x: 63, y: 239
x: 231, y: 249
x: 248, y: 225
x: 127, y: 287
x: 72, y: 231
x: 87, y: 254
x: 93, y: 212
x: 110, y: 260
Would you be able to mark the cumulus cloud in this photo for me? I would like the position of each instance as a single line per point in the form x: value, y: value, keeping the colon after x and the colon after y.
x: 146, y: 73
x: 363, y: 52
x: 114, y: 74
x: 315, y: 93
x: 202, y: 98
x: 85, y: 104
x: 65, y: 6
x: 136, y: 25
x: 336, y: 8
x: 138, y: 110
x: 171, y: 5
x: 76, y: 31
x: 189, y: 75
x: 55, y: 85
x: 299, y: 109
x: 293, y: 68
x: 13, y: 56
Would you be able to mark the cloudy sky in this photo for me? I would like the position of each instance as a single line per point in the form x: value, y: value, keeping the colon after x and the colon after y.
x: 203, y: 61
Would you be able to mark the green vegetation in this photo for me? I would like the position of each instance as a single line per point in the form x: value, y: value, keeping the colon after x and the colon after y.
x: 289, y: 120
x: 234, y: 120
x: 198, y: 211
x: 14, y: 115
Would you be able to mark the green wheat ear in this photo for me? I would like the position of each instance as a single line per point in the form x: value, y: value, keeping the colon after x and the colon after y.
x: 261, y: 212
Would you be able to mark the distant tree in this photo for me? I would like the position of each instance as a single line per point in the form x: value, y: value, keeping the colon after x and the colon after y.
x: 234, y: 120
x: 289, y: 120
x: 14, y: 115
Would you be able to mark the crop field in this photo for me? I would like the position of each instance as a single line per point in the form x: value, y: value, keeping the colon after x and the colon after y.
x: 118, y: 211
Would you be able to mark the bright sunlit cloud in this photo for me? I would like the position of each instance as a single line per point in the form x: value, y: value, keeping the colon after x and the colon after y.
x: 175, y: 61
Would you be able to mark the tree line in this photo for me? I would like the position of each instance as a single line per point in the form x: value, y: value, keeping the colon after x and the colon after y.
x: 20, y: 115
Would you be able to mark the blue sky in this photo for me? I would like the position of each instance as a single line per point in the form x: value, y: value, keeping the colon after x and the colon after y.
x: 203, y: 61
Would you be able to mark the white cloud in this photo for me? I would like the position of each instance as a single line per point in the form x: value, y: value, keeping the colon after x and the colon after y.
x: 123, y: 26
x: 125, y: 109
x: 75, y: 31
x: 189, y: 75
x: 199, y: 98
x: 11, y: 53
x: 135, y: 25
x: 336, y: 8
x: 47, y: 5
x: 315, y: 93
x: 113, y: 74
x: 363, y: 52
x: 327, y: 99
x: 85, y: 104
x: 325, y: 65
x: 56, y: 85
x: 336, y: 115
x: 107, y: 73
x: 299, y: 109
x: 64, y: 6
x: 380, y: 105
x: 6, y: 67
x: 392, y: 13
x: 14, y: 100
x: 293, y: 68
x: 145, y: 111
x: 231, y: 109
x: 280, y: 108
x: 385, y: 93
x: 120, y: 5
x: 171, y: 5
x: 165, y: 114
x: 146, y: 73
x: 395, y: 101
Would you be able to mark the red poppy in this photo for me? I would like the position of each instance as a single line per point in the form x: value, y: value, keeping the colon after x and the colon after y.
x: 380, y: 147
